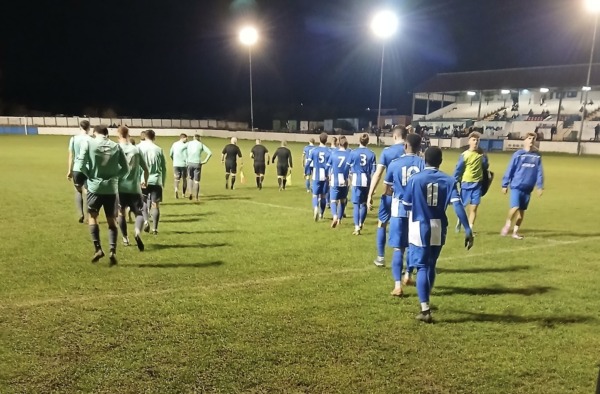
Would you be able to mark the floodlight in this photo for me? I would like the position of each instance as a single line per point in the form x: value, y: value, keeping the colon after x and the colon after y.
x: 248, y: 36
x: 544, y: 90
x: 384, y: 24
x: 505, y: 91
x: 525, y: 91
x: 470, y: 93
x: 586, y: 88
x: 593, y: 6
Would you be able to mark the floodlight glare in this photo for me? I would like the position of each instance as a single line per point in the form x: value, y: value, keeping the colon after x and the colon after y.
x: 384, y: 24
x: 544, y: 90
x: 593, y: 6
x: 248, y: 36
x: 471, y: 93
x: 525, y: 91
x: 505, y: 91
x: 586, y: 88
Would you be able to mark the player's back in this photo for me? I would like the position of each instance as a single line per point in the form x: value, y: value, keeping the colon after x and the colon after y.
x: 194, y: 152
x: 283, y: 155
x: 103, y: 165
x: 319, y: 157
x: 339, y: 168
x: 231, y: 152
x: 179, y: 154
x: 390, y: 154
x: 259, y: 152
x: 362, y: 166
x: 75, y: 147
x: 155, y: 160
x: 130, y: 182
x: 401, y: 170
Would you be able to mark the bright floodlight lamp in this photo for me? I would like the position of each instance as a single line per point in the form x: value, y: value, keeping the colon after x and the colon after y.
x: 586, y: 88
x: 505, y: 91
x: 248, y: 36
x: 544, y: 90
x: 471, y: 93
x: 384, y: 24
x: 593, y: 6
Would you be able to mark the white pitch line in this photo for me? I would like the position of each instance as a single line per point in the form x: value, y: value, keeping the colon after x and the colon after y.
x: 307, y: 211
x: 260, y: 281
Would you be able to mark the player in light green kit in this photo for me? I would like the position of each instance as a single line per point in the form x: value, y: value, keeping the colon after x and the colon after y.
x: 130, y: 189
x: 157, y: 166
x: 195, y: 148
x: 178, y: 154
x: 103, y: 163
x: 74, y: 170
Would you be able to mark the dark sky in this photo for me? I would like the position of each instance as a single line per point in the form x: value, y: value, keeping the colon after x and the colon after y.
x: 182, y: 57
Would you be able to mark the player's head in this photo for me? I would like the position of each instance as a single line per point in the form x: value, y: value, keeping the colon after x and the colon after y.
x: 150, y: 134
x: 433, y: 157
x: 257, y: 142
x: 323, y: 138
x: 132, y: 140
x: 234, y: 140
x: 474, y: 138
x: 183, y: 137
x: 123, y: 132
x: 344, y: 142
x: 101, y: 130
x: 283, y: 143
x: 143, y: 135
x: 197, y: 137
x: 412, y: 144
x: 399, y: 133
x: 85, y: 125
x: 529, y: 140
x: 311, y: 141
x: 334, y: 142
x: 364, y: 139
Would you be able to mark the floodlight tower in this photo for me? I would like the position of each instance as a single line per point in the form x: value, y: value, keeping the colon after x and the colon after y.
x: 248, y: 37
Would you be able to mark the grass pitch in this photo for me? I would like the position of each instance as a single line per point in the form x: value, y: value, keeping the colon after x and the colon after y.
x: 243, y: 292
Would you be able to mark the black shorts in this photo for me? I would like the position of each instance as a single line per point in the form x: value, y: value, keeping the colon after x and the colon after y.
x: 153, y: 193
x: 97, y: 201
x: 194, y: 172
x: 79, y: 179
x: 180, y: 172
x: 132, y: 201
x: 282, y: 170
x: 260, y: 168
x: 231, y: 167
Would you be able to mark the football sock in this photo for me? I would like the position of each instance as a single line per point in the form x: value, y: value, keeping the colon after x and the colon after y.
x: 185, y: 186
x: 356, y: 216
x: 315, y: 202
x: 284, y: 180
x: 279, y: 182
x: 190, y: 185
x: 343, y: 204
x: 232, y: 181
x: 196, y: 189
x: 308, y: 184
x: 380, y: 241
x: 398, y: 284
x: 112, y: 237
x: 176, y: 182
x: 334, y: 208
x: 79, y: 202
x: 257, y: 181
x: 340, y: 210
x: 155, y: 217
x: 397, y: 258
x: 323, y: 205
x: 122, y: 225
x: 262, y: 178
x: 423, y: 288
x: 425, y: 307
x: 363, y: 213
x: 515, y: 229
x: 95, y: 233
x: 145, y: 211
x: 139, y: 223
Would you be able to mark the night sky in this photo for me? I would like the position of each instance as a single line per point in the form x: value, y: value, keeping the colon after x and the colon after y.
x: 182, y: 58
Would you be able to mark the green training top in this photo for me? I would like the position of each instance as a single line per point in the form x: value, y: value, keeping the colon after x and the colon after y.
x: 75, y: 147
x: 130, y: 182
x: 103, y: 162
x: 179, y: 154
x: 194, y: 152
x: 155, y: 159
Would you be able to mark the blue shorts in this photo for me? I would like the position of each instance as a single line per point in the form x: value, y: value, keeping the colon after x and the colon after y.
x: 338, y: 193
x: 424, y: 256
x: 359, y: 194
x: 318, y: 187
x: 398, y: 233
x: 471, y: 196
x: 385, y: 209
x: 519, y: 198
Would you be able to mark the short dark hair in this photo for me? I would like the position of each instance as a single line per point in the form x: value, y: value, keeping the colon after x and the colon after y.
x: 183, y: 135
x: 101, y: 129
x: 343, y: 142
x: 433, y: 156
x: 400, y: 131
x: 85, y: 124
x: 364, y: 139
x: 323, y: 138
x: 150, y: 134
x: 197, y: 137
x: 132, y: 140
x: 123, y: 131
x: 414, y: 141
x: 312, y: 140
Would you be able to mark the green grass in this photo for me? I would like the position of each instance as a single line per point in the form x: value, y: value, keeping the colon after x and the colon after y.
x: 243, y: 292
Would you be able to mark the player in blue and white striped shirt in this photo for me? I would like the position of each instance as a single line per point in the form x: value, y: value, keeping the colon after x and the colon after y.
x: 362, y: 166
x: 305, y: 154
x: 339, y: 172
x: 427, y: 196
x: 398, y: 173
x: 317, y: 161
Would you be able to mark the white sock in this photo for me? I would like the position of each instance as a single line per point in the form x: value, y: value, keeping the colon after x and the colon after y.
x: 398, y: 284
x: 515, y: 229
x: 424, y: 306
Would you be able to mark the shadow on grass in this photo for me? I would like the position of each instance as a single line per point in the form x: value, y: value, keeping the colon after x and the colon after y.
x: 222, y: 197
x: 544, y: 321
x: 193, y: 218
x: 512, y: 268
x: 187, y: 215
x: 484, y: 291
x: 204, y: 232
x: 189, y: 246
x: 181, y: 265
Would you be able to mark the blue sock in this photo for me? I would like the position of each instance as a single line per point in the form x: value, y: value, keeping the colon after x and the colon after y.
x: 363, y: 213
x: 323, y: 205
x: 356, y: 215
x: 409, y: 267
x: 423, y: 286
x: 315, y: 199
x: 397, y: 264
x: 334, y: 208
x: 380, y: 241
x: 308, y: 184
